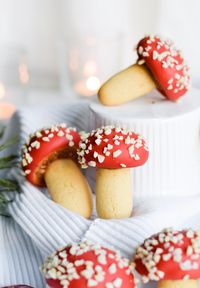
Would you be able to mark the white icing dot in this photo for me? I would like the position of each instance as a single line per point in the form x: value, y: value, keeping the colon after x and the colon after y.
x: 45, y: 139
x: 140, y: 50
x: 170, y: 87
x: 71, y: 143
x: 141, y: 62
x: 123, y: 165
x: 117, y: 153
x: 61, y: 133
x: 166, y: 257
x: 145, y: 54
x: 98, y: 141
x: 155, y: 55
x: 38, y: 134
x: 108, y: 131
x: 92, y: 163
x: 92, y: 283
x: 112, y: 269
x: 101, y: 158
x: 102, y: 259
x: 117, y: 283
x: 110, y: 147
x: 95, y: 154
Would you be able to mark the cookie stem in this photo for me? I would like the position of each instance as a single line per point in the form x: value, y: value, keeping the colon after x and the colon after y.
x: 114, y: 193
x: 178, y: 284
x: 127, y: 85
x: 68, y: 187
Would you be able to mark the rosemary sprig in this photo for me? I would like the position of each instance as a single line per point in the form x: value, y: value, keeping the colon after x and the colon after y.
x: 8, y: 162
x: 8, y: 143
x: 2, y: 129
x: 6, y: 184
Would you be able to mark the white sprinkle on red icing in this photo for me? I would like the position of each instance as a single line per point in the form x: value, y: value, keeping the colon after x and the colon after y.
x: 166, y: 64
x: 123, y: 148
x: 88, y: 265
x: 169, y: 255
x: 43, y: 144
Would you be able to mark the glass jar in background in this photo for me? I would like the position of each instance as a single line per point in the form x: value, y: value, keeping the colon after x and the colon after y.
x: 86, y: 62
x: 14, y: 79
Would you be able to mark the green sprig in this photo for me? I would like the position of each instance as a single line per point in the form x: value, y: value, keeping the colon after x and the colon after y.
x: 6, y: 184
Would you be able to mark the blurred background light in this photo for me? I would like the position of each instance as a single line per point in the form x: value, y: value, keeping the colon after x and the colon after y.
x: 62, y: 50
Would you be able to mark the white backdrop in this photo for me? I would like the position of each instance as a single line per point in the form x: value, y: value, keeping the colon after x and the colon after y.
x: 34, y: 25
x: 39, y: 24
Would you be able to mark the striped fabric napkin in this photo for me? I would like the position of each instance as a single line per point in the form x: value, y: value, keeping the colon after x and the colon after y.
x: 49, y: 226
x: 19, y: 256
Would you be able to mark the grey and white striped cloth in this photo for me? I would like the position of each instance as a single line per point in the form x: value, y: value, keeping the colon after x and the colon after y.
x: 40, y: 225
x: 19, y: 256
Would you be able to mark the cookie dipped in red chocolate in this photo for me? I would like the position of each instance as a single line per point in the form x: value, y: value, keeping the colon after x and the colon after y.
x: 113, y: 150
x: 49, y: 158
x: 166, y: 65
x: 159, y: 65
x: 88, y: 265
x: 170, y: 257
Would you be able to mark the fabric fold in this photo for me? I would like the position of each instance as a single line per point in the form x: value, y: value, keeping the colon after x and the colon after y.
x: 149, y: 218
x: 49, y: 225
x: 20, y: 257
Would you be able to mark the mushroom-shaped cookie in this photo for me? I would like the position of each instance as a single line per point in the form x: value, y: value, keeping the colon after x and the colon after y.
x: 160, y: 65
x: 88, y: 265
x: 113, y: 151
x: 50, y: 158
x: 170, y: 257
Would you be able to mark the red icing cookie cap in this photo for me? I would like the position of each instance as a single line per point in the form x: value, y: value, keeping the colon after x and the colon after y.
x: 88, y: 265
x: 169, y: 255
x: 45, y: 146
x: 166, y: 65
x: 112, y: 148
